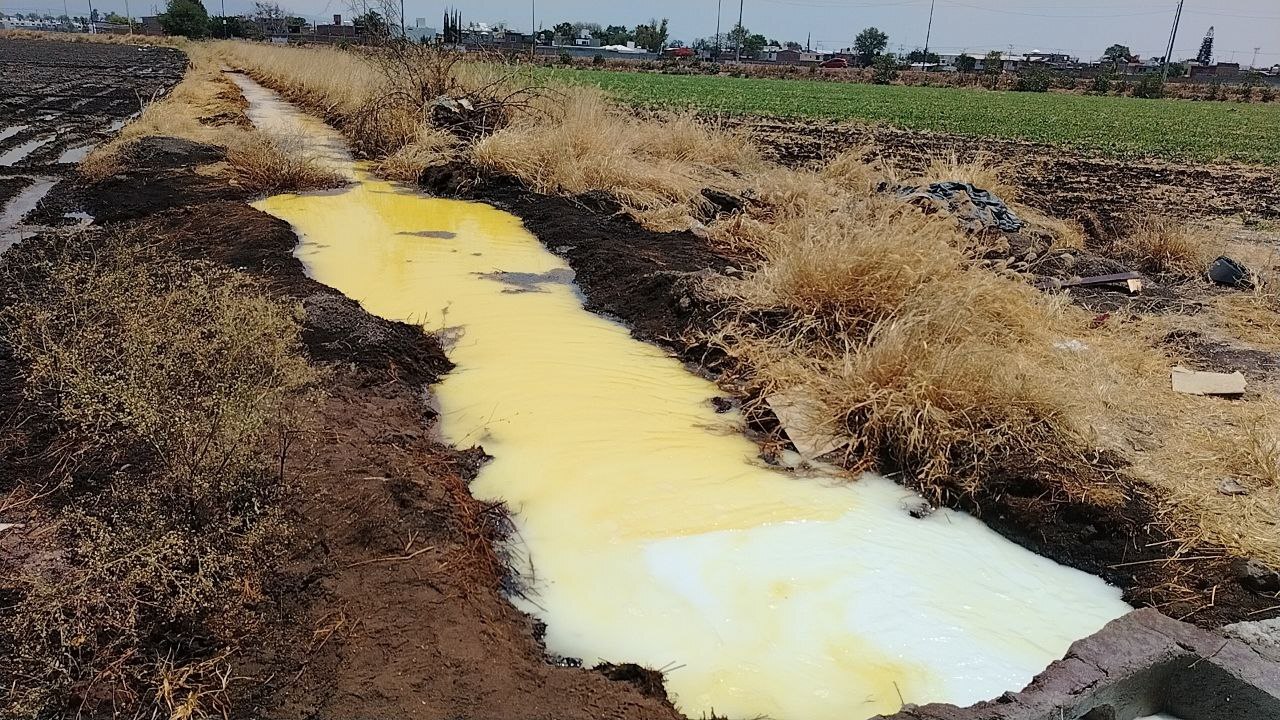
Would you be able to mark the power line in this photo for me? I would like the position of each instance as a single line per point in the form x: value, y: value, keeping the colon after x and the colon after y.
x: 1173, y: 36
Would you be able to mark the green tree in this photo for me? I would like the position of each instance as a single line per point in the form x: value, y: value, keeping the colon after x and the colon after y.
x: 187, y: 18
x: 793, y: 45
x: 617, y: 35
x: 870, y: 43
x: 886, y: 69
x: 653, y: 36
x: 993, y: 66
x: 564, y: 31
x: 114, y: 18
x: 1149, y: 87
x: 919, y: 56
x: 966, y: 62
x: 1177, y: 69
x: 1117, y: 54
x: 373, y: 23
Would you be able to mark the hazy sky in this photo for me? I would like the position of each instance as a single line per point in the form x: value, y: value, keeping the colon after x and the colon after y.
x: 1084, y: 27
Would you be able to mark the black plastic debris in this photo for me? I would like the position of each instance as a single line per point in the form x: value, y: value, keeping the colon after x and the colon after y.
x: 1226, y: 271
x: 974, y: 208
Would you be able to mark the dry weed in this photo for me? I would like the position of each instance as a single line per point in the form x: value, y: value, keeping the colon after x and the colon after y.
x: 430, y: 147
x: 272, y: 164
x: 1167, y: 246
x: 163, y: 384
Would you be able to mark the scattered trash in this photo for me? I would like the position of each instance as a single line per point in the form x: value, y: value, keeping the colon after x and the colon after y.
x: 974, y: 208
x: 797, y: 415
x: 1099, y: 320
x: 1072, y: 345
x: 1132, y: 280
x: 1226, y: 271
x: 917, y: 507
x: 1231, y: 487
x: 1195, y: 382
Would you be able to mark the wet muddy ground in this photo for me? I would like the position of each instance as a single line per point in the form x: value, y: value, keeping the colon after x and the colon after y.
x: 58, y: 98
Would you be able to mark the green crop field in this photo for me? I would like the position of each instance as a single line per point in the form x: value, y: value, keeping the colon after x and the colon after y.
x: 1117, y: 126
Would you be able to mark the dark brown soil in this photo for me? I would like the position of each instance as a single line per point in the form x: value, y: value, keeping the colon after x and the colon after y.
x: 75, y: 93
x: 1062, y: 182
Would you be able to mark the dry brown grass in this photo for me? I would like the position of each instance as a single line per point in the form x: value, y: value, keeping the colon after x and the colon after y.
x: 593, y: 146
x: 206, y: 107
x: 161, y: 386
x: 566, y: 140
x: 915, y: 354
x: 430, y: 147
x: 97, y: 38
x: 958, y: 375
x: 1169, y: 247
x: 272, y: 164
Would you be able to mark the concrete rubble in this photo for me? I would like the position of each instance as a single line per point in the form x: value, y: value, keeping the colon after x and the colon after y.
x: 1142, y: 664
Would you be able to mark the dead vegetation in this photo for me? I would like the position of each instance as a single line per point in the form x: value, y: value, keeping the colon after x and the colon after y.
x: 206, y: 107
x: 156, y: 395
x: 1165, y: 246
x: 922, y: 356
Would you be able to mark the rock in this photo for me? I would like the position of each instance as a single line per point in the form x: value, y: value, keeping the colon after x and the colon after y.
x: 723, y: 404
x: 723, y: 201
x: 1262, y: 636
x: 1256, y: 576
x: 1102, y: 712
x: 1231, y: 486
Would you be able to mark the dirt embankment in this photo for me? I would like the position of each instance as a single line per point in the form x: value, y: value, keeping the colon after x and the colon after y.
x: 649, y: 280
x: 394, y: 605
x: 392, y: 601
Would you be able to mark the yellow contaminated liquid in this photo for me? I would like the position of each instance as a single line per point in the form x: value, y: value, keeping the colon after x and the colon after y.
x: 652, y: 533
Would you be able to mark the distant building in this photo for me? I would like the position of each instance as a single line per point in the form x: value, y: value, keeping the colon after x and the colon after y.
x: 1226, y: 72
x: 793, y: 57
x: 420, y: 32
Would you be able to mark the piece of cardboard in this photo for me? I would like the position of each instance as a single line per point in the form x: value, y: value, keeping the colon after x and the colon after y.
x: 1195, y: 382
x: 799, y: 417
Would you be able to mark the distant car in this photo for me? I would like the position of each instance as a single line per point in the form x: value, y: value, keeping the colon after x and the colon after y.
x: 835, y: 63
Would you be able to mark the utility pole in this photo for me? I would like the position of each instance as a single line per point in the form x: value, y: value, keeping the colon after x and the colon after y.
x: 1173, y: 36
x: 403, y: 35
x: 226, y: 29
x: 533, y: 28
x: 93, y: 30
x: 718, y: 43
x: 1254, y: 65
x: 740, y: 33
x: 928, y: 33
x: 129, y: 19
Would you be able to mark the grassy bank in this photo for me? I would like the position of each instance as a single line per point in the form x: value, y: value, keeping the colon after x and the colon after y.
x: 148, y: 400
x: 913, y: 344
x: 1180, y: 129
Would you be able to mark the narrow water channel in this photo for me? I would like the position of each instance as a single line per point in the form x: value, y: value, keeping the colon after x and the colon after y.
x: 653, y: 533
